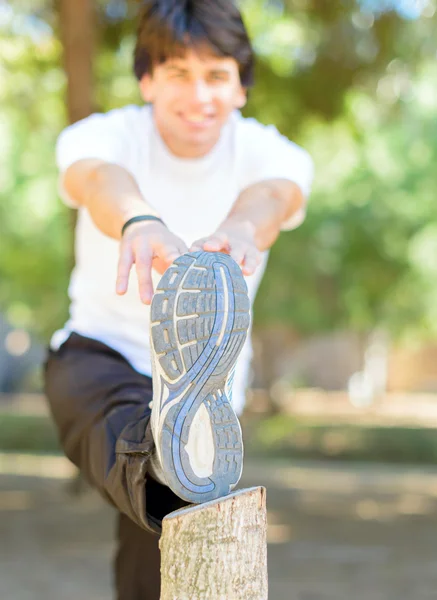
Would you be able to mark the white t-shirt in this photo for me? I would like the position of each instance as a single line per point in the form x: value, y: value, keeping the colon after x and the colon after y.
x: 193, y: 196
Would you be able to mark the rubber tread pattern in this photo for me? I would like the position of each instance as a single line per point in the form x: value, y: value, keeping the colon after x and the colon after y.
x: 200, y: 316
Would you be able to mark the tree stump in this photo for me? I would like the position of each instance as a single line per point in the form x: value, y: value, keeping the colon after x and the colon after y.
x: 216, y: 550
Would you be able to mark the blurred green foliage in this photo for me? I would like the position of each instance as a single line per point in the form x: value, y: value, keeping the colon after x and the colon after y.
x: 278, y: 436
x: 355, y: 88
x: 28, y: 433
x: 290, y: 438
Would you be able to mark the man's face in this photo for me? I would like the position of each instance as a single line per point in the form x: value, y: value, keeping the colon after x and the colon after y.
x: 193, y: 97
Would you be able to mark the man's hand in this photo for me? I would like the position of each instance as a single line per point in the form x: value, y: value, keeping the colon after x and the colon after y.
x: 148, y: 245
x: 237, y: 239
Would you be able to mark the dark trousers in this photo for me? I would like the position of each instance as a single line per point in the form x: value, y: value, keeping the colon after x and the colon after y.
x: 100, y: 405
x: 137, y: 564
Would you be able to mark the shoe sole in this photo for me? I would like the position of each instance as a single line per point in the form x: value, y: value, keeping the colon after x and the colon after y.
x: 200, y: 316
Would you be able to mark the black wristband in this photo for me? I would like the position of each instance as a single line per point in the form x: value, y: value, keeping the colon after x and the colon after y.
x: 138, y: 219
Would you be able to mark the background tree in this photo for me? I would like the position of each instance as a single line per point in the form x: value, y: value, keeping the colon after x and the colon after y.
x: 353, y: 84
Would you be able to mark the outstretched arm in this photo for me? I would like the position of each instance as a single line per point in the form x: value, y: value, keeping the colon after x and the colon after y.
x: 254, y: 222
x: 112, y: 197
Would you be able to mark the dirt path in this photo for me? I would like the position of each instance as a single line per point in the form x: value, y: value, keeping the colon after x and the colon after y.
x: 336, y: 533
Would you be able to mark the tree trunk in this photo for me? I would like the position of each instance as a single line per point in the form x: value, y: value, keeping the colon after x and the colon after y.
x: 216, y: 550
x: 77, y: 34
x: 77, y: 27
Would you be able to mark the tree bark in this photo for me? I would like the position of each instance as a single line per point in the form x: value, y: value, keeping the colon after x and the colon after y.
x: 77, y: 34
x: 77, y: 28
x: 216, y: 550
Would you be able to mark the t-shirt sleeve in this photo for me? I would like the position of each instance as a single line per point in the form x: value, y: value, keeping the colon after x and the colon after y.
x: 270, y: 155
x: 102, y: 136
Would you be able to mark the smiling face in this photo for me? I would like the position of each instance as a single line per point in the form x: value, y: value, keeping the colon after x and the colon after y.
x: 193, y: 96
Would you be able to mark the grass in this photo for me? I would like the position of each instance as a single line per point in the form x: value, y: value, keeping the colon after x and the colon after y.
x: 284, y: 436
x: 24, y: 433
x: 278, y: 436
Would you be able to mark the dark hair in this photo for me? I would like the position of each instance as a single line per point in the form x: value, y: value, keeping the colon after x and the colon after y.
x: 168, y: 27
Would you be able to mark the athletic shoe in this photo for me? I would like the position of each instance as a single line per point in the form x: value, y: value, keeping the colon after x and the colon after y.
x: 200, y: 316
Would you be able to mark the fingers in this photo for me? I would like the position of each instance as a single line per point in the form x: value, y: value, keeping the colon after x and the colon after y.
x: 182, y: 248
x: 165, y: 253
x: 238, y: 253
x: 142, y: 250
x: 251, y: 261
x: 218, y: 242
x: 170, y: 252
x: 179, y: 249
x: 197, y: 245
x: 125, y: 263
x: 166, y: 249
x: 246, y: 255
x: 143, y: 265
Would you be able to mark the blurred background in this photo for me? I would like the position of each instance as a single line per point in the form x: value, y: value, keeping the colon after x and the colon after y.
x: 342, y: 413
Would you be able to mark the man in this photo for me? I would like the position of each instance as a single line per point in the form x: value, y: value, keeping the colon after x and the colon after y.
x: 184, y: 173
